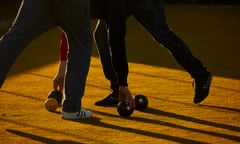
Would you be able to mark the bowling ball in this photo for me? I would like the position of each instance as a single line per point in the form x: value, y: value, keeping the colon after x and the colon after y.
x: 56, y: 95
x: 141, y: 102
x: 124, y: 109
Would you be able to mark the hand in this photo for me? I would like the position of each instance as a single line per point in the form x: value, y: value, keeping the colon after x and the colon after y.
x: 125, y: 94
x: 58, y: 82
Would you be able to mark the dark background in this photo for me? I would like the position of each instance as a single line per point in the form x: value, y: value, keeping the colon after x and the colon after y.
x: 9, y: 8
x: 204, y: 1
x: 211, y: 32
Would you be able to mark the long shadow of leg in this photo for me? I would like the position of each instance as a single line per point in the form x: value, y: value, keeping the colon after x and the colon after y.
x: 40, y: 138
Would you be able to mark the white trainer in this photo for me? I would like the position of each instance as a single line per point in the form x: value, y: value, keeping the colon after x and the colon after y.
x: 76, y: 115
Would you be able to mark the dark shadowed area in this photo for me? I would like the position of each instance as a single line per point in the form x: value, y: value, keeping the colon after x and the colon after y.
x: 210, y: 29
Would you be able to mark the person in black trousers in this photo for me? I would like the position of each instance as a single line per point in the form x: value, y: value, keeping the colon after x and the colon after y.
x: 151, y: 15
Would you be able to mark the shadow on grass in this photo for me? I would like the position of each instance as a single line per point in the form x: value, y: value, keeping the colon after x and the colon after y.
x: 222, y: 87
x: 221, y: 108
x: 217, y: 108
x: 47, y: 129
x: 172, y: 125
x: 192, y: 119
x: 51, y: 77
x: 97, y: 122
x: 22, y: 95
x: 40, y: 138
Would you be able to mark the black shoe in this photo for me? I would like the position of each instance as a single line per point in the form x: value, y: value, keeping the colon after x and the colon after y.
x: 111, y: 100
x: 202, y: 86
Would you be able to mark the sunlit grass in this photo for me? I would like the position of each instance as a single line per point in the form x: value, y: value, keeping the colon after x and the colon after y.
x: 170, y: 118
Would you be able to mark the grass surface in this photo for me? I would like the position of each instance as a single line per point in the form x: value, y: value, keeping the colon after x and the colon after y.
x: 172, y: 117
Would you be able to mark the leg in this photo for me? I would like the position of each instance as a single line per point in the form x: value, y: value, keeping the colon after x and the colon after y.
x: 102, y: 41
x: 74, y: 19
x: 32, y: 20
x: 101, y: 38
x: 151, y: 15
